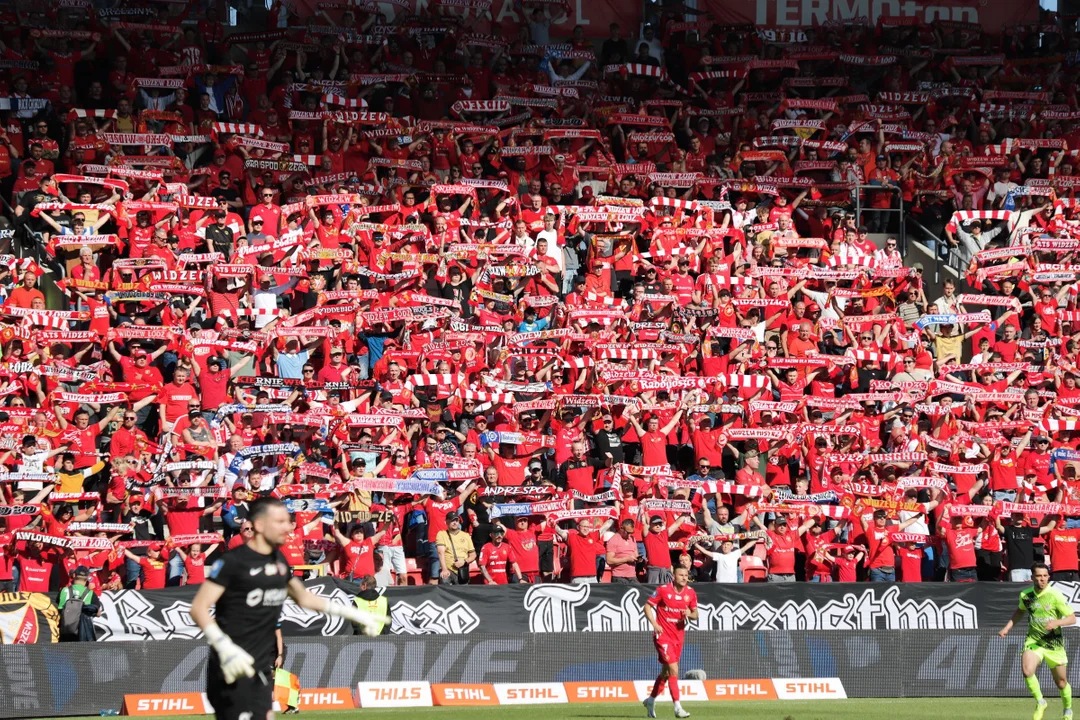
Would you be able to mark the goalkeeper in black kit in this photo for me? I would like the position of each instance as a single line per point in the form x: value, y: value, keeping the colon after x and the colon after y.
x: 247, y: 588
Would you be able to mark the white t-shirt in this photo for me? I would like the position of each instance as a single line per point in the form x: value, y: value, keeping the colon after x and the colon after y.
x: 727, y: 566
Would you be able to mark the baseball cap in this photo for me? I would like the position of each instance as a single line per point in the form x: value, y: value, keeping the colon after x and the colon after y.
x: 138, y: 352
x: 135, y: 499
x: 452, y: 516
x: 656, y: 520
x: 156, y: 546
x: 81, y: 572
x: 498, y: 530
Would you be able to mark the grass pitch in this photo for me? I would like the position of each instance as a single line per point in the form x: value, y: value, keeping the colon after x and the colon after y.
x: 984, y: 708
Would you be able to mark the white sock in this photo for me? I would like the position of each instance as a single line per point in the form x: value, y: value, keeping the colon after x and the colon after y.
x: 678, y: 705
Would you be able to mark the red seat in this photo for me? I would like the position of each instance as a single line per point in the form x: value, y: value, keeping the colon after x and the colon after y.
x: 753, y: 569
x: 416, y: 575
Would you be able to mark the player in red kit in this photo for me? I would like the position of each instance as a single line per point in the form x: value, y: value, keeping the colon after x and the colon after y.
x: 667, y: 611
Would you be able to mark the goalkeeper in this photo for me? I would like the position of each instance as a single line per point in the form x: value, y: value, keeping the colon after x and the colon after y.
x: 1048, y: 612
x: 246, y: 588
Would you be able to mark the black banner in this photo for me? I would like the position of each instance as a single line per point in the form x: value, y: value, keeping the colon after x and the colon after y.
x: 86, y: 678
x: 427, y: 610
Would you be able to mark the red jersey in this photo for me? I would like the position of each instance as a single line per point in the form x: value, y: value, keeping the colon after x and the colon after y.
x: 782, y: 552
x: 35, y: 570
x: 668, y: 604
x: 495, y: 559
x: 523, y: 543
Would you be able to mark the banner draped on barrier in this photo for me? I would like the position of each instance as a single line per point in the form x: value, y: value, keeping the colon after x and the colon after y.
x: 133, y: 615
x: 28, y: 618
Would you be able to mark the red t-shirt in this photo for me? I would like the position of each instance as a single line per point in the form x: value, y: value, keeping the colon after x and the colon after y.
x: 1062, y: 545
x: 436, y: 514
x: 360, y: 558
x: 214, y: 387
x: 962, y: 548
x: 35, y: 571
x: 511, y: 470
x: 183, y: 517
x: 176, y: 399
x: 496, y: 559
x: 657, y: 552
x: 523, y: 543
x: 910, y: 564
x: 153, y: 573
x: 583, y: 552
x: 782, y: 553
x: 881, y: 550
x: 654, y: 448
x: 195, y: 564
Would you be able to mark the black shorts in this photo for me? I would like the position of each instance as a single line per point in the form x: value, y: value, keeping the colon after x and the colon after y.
x: 246, y: 699
x: 546, y: 552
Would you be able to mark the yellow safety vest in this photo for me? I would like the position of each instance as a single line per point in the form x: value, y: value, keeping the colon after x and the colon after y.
x: 378, y: 606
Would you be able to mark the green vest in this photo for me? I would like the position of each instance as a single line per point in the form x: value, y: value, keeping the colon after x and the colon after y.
x: 377, y: 606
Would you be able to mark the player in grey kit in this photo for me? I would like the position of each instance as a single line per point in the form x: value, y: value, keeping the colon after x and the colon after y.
x: 247, y: 588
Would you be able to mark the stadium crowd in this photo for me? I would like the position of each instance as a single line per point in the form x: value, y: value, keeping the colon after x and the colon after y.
x: 489, y: 308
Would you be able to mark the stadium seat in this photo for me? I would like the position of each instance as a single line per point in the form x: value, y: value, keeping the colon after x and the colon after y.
x: 753, y: 569
x: 416, y: 575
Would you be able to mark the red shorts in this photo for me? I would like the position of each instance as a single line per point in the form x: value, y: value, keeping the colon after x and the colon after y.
x: 668, y: 648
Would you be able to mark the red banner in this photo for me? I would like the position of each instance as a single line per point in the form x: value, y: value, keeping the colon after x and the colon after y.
x: 782, y: 14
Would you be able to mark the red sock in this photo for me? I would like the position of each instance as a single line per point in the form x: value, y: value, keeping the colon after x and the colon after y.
x: 657, y: 687
x: 673, y: 686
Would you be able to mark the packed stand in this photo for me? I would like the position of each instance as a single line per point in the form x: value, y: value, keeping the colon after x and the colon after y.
x: 488, y: 309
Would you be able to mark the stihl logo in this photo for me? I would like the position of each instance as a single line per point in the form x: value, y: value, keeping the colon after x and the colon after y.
x: 817, y: 688
x: 396, y: 694
x: 742, y: 689
x: 165, y: 704
x: 593, y: 692
x: 531, y: 694
x: 320, y: 698
x: 466, y: 694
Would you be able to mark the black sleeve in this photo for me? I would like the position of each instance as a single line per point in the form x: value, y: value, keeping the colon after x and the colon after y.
x: 223, y: 571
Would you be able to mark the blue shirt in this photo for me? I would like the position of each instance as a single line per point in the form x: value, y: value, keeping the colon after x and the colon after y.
x: 536, y: 326
x: 291, y: 365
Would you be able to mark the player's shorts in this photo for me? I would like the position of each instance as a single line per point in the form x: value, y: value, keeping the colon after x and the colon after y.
x: 668, y: 649
x: 246, y: 699
x: 1051, y: 656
